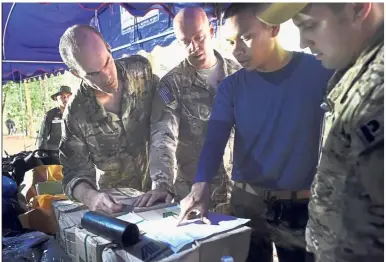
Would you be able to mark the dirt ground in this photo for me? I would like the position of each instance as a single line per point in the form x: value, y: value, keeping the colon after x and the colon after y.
x: 15, y: 144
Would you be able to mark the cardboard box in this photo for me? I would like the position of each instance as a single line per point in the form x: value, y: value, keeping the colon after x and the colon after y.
x: 68, y: 215
x: 146, y: 250
x: 67, y: 224
x: 33, y: 220
x: 89, y: 247
x: 84, y: 246
x: 92, y: 248
x: 63, y: 207
x: 234, y: 243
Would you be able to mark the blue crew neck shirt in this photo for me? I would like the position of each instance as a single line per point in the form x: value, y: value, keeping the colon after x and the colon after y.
x: 277, y: 120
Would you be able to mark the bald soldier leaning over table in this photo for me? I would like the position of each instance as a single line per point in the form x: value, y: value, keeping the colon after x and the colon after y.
x: 106, y: 124
x: 181, y: 110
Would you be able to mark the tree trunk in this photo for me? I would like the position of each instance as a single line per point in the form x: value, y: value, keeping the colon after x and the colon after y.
x: 5, y: 91
x: 29, y: 110
x: 45, y: 94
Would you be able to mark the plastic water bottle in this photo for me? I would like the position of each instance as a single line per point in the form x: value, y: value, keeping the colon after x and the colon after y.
x: 226, y: 259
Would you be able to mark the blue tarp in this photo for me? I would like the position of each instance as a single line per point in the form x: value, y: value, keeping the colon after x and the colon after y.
x: 31, y: 31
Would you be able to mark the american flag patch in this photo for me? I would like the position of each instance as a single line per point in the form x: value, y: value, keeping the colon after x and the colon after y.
x: 165, y: 94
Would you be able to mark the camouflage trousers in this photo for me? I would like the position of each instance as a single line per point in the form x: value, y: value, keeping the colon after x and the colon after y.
x: 282, y: 222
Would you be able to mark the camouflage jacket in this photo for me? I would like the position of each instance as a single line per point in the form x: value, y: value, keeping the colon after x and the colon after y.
x: 50, y: 130
x: 102, y: 148
x: 346, y: 204
x: 180, y: 113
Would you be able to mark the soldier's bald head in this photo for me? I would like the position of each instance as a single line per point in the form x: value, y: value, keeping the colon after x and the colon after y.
x: 79, y: 39
x: 190, y: 16
x: 87, y: 54
x: 193, y: 31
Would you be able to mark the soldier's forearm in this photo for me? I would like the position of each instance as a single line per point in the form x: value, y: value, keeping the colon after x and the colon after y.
x: 162, y: 162
x: 167, y: 185
x: 83, y: 192
x: 162, y: 184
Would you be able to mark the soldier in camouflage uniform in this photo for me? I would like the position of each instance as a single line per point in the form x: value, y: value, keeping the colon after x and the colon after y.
x: 346, y: 205
x: 106, y: 124
x: 50, y: 134
x: 50, y: 130
x: 181, y: 110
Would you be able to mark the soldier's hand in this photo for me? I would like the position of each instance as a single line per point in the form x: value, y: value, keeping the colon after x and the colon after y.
x: 152, y: 197
x: 103, y: 202
x: 198, y: 199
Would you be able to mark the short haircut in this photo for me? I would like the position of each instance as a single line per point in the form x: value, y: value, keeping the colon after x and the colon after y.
x: 237, y: 8
x: 252, y: 8
x: 68, y: 44
x: 334, y: 7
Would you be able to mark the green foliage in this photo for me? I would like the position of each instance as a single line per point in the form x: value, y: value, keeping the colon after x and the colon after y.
x: 15, y: 104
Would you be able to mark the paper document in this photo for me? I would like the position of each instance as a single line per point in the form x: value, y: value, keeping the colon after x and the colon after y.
x: 162, y: 226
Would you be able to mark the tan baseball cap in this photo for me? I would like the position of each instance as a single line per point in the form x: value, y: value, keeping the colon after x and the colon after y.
x: 278, y: 13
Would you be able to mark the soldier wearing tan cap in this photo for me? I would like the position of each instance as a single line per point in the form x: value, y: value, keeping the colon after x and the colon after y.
x: 346, y: 217
x: 50, y: 131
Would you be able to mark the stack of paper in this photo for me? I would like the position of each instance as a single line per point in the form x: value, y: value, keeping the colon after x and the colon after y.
x: 162, y: 226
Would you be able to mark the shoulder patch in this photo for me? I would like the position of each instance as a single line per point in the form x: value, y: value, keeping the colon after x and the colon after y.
x: 167, y: 96
x: 371, y: 132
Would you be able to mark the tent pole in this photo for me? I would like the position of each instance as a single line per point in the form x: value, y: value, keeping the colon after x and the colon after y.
x: 97, y: 21
x: 44, y: 88
x: 35, y: 62
x: 5, y: 27
x: 22, y: 105
x: 30, y: 129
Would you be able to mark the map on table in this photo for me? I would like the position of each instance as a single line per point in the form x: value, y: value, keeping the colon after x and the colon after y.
x: 161, y: 224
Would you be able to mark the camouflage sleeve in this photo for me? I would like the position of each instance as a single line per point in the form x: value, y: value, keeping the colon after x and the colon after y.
x: 74, y: 157
x: 41, y: 140
x: 165, y: 120
x: 367, y: 140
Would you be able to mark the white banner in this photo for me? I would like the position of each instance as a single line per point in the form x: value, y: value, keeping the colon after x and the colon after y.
x: 128, y: 20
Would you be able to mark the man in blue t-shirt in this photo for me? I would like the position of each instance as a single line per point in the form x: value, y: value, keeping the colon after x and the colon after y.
x: 273, y: 104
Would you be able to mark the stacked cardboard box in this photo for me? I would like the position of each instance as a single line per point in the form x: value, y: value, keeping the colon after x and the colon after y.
x: 92, y: 248
x: 84, y: 246
x: 234, y: 243
x: 68, y: 214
